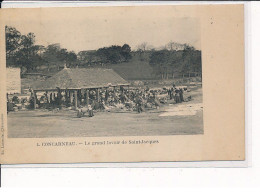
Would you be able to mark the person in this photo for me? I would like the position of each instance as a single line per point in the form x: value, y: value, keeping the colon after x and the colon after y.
x: 90, y: 111
x: 147, y: 89
x: 122, y: 98
x: 168, y: 92
x: 122, y: 89
x: 51, y: 99
x: 156, y: 103
x: 80, y: 113
x: 177, y: 96
x: 171, y: 93
x: 139, y: 104
x: 106, y: 95
x: 59, y: 98
x: 31, y: 101
x: 181, y: 95
x: 101, y: 105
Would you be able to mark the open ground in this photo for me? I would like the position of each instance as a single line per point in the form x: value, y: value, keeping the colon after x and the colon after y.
x: 64, y: 123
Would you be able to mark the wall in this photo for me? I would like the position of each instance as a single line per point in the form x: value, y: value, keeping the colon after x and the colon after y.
x: 13, y: 80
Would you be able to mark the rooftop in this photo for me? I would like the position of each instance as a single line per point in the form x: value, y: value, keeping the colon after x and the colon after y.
x: 79, y: 78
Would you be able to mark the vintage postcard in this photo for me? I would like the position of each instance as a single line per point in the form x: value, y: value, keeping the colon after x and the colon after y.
x: 122, y: 84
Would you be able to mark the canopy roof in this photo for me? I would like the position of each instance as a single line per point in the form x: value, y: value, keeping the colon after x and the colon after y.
x: 80, y: 78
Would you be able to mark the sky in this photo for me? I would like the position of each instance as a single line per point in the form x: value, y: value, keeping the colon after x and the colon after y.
x: 90, y: 30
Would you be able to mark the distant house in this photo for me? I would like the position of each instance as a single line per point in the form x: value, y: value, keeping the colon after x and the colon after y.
x: 13, y: 80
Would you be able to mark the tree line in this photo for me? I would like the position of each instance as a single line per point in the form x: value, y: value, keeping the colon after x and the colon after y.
x: 23, y: 52
x: 166, y: 63
x: 106, y: 55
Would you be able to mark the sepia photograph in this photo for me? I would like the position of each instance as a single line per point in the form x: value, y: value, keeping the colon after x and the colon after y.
x: 122, y: 84
x: 101, y: 77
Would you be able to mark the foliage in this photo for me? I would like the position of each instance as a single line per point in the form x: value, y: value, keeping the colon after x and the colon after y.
x: 13, y: 39
x: 21, y: 51
x: 181, y: 61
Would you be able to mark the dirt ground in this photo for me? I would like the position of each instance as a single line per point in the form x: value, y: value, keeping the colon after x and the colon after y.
x: 172, y: 119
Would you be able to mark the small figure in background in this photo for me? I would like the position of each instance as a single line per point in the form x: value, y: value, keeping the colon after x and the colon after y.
x: 90, y: 111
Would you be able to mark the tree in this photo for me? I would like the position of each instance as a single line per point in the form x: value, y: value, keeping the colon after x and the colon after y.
x: 142, y: 46
x: 177, y: 61
x: 187, y: 57
x: 28, y: 56
x: 83, y: 58
x: 71, y: 58
x: 13, y: 39
x: 126, y: 52
x: 66, y: 57
x: 141, y: 49
x: 114, y: 54
x: 87, y: 58
x: 174, y: 46
x: 21, y: 51
x: 160, y: 61
x: 170, y: 46
x: 144, y: 50
x: 51, y: 56
x: 62, y: 57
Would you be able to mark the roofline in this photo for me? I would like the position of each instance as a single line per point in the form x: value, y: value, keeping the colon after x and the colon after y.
x: 127, y: 84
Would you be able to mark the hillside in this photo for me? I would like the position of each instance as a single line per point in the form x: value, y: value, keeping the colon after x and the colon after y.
x: 135, y: 69
x: 140, y: 70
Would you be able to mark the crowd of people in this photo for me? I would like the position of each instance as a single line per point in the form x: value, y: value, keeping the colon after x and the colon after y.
x: 130, y: 99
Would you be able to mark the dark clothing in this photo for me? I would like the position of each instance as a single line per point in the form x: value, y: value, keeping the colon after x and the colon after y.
x: 139, y: 105
x: 177, y: 96
x: 171, y: 93
x: 139, y: 108
x: 181, y: 95
x: 106, y: 95
x: 90, y: 113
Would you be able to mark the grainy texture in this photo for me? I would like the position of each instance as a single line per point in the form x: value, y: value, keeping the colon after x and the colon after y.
x: 222, y: 43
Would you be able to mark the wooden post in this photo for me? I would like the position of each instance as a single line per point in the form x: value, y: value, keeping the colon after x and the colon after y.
x: 66, y: 96
x: 51, y: 98
x: 71, y: 96
x: 106, y: 95
x: 34, y: 99
x: 128, y: 92
x: 47, y: 96
x: 97, y: 94
x: 76, y: 99
x: 114, y: 91
x: 87, y: 97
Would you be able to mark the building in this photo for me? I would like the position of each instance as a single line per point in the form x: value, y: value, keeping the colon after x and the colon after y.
x: 76, y: 80
x: 13, y: 80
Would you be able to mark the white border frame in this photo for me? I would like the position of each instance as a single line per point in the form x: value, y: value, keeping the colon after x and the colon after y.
x: 196, y: 164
